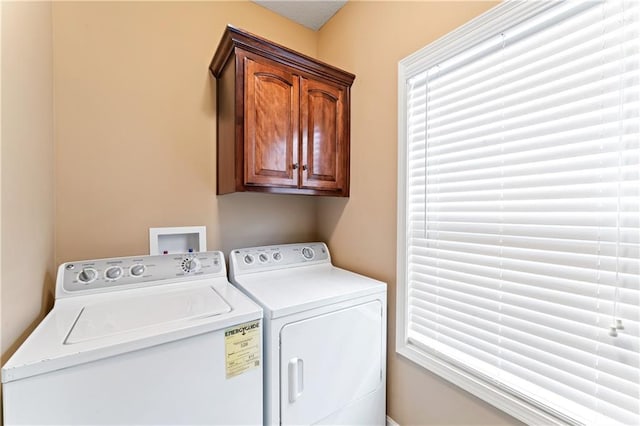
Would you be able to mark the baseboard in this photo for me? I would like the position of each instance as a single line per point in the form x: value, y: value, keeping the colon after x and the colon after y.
x: 391, y: 422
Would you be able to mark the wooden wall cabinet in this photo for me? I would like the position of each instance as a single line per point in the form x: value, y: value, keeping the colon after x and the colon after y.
x: 283, y: 119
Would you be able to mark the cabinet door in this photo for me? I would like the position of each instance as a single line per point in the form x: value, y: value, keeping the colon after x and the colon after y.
x: 271, y: 125
x: 329, y: 361
x: 324, y: 136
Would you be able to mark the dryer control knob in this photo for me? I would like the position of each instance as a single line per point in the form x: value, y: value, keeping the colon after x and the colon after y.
x: 277, y: 256
x: 308, y: 253
x: 113, y: 273
x: 248, y: 259
x: 87, y: 275
x: 137, y: 270
x: 263, y: 257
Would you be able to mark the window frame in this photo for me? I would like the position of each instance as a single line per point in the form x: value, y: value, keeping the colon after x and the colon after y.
x: 488, y: 25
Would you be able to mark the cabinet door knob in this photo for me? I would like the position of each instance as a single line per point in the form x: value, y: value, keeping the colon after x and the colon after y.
x: 295, y: 166
x: 304, y: 167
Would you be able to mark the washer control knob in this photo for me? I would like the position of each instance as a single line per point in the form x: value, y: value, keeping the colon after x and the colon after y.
x: 308, y: 253
x: 87, y: 275
x: 277, y: 256
x: 137, y: 270
x: 113, y: 273
x: 248, y: 259
x: 263, y: 257
x: 191, y: 265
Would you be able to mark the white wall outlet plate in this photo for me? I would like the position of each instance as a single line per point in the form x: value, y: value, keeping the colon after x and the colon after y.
x: 182, y: 239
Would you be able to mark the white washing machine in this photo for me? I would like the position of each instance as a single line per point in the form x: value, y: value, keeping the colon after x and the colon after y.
x: 141, y: 340
x: 324, y: 335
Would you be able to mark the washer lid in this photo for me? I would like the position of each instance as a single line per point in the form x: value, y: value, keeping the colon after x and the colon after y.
x: 88, y: 328
x: 111, y: 317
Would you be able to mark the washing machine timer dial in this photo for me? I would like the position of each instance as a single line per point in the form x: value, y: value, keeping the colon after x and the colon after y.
x: 190, y: 264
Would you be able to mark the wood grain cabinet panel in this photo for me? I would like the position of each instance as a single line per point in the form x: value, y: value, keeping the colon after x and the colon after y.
x: 323, y: 138
x: 270, y: 123
x: 282, y: 119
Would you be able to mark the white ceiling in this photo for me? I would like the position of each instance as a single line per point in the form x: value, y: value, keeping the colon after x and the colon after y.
x: 310, y: 13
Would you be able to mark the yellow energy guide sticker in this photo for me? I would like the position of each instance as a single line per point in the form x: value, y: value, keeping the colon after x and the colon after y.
x: 242, y: 348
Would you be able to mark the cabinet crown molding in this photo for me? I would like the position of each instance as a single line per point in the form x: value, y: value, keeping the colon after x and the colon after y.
x: 233, y: 38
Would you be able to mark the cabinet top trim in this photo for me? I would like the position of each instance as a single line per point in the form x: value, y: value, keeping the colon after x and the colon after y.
x: 237, y: 38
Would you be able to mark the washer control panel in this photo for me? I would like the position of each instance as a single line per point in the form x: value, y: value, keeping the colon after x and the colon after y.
x: 264, y: 258
x: 122, y: 272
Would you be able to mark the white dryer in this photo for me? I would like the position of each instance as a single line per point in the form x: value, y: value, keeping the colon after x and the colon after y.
x: 140, y: 340
x: 324, y: 335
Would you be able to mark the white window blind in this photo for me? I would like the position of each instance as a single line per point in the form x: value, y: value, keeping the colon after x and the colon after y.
x: 519, y: 209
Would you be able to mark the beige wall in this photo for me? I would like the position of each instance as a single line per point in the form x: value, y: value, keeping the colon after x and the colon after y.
x: 27, y: 189
x: 135, y: 128
x: 368, y: 39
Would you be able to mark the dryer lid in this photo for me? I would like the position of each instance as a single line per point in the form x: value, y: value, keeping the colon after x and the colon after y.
x: 111, y: 317
x: 288, y: 291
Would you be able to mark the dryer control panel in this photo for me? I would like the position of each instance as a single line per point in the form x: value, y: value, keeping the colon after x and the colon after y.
x: 119, y: 273
x: 265, y: 258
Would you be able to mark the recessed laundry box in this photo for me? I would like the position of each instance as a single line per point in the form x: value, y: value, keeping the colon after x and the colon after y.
x: 141, y: 340
x: 324, y: 335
